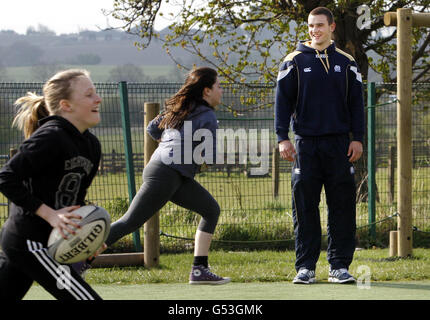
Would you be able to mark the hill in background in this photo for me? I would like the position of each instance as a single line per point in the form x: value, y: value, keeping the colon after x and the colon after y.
x: 110, y: 56
x: 28, y: 57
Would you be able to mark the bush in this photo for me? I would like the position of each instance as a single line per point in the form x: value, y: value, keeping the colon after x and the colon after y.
x: 86, y: 59
x: 116, y: 207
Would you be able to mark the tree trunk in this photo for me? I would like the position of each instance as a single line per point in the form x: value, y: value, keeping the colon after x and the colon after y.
x: 347, y: 39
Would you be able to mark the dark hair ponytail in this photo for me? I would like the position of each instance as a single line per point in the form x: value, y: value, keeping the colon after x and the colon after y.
x: 183, y: 102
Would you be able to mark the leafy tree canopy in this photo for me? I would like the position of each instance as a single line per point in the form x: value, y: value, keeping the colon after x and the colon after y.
x: 248, y: 38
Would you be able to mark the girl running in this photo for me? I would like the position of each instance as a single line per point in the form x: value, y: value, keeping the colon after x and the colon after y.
x: 45, y: 181
x: 169, y: 176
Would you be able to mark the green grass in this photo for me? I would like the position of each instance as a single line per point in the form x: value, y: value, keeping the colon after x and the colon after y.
x: 262, y: 275
x: 266, y: 266
x: 411, y: 290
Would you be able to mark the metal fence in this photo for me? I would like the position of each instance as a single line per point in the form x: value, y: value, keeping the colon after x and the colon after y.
x: 386, y: 157
x: 254, y: 213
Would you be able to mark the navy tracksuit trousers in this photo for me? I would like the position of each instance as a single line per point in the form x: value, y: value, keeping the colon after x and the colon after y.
x: 323, y: 161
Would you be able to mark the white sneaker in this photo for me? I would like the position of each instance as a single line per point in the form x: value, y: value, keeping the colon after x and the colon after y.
x: 340, y: 276
x: 305, y: 276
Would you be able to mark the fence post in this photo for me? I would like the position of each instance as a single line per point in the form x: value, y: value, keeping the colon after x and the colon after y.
x: 151, y: 241
x: 12, y: 152
x: 391, y: 168
x: 393, y: 244
x: 101, y: 165
x: 125, y: 117
x: 371, y: 183
x: 275, y: 172
x: 404, y: 131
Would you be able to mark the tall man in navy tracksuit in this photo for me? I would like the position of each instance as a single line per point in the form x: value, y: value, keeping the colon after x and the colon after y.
x: 319, y: 93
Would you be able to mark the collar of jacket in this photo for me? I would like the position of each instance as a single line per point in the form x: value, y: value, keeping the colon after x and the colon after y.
x: 304, y: 46
x: 58, y: 121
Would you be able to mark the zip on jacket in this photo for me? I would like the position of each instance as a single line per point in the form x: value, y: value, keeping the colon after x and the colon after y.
x: 319, y: 93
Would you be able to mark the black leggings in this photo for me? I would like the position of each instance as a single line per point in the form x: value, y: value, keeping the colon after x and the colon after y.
x: 24, y: 261
x: 160, y: 185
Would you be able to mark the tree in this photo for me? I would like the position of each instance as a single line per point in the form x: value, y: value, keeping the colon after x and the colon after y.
x: 86, y: 59
x: 3, y: 73
x: 42, y: 72
x: 247, y: 38
x: 127, y: 72
x: 40, y: 30
x: 22, y: 53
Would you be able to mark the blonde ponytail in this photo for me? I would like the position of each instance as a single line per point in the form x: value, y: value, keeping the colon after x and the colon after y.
x: 32, y: 109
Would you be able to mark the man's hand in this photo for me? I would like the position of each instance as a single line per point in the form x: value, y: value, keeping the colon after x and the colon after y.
x: 355, y: 151
x: 287, y: 150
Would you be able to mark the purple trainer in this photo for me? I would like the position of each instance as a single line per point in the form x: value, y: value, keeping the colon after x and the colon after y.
x: 202, y: 275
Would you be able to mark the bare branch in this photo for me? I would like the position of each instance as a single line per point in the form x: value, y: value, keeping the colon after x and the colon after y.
x: 421, y: 50
x: 421, y: 74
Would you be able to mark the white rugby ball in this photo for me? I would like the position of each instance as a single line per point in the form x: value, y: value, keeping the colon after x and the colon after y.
x: 95, y: 226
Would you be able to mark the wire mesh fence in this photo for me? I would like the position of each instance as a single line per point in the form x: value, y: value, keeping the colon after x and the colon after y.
x: 256, y: 209
x: 386, y: 157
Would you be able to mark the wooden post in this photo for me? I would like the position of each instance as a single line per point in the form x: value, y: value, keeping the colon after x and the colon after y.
x: 391, y: 168
x: 114, y: 161
x: 404, y: 130
x: 418, y: 19
x: 101, y: 165
x: 151, y: 229
x: 275, y: 172
x: 12, y: 152
x: 393, y: 244
x: 405, y: 19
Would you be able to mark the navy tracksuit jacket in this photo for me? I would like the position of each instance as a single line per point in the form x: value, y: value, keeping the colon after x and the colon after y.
x: 320, y: 95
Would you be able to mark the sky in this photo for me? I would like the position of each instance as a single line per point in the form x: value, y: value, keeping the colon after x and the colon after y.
x: 61, y: 16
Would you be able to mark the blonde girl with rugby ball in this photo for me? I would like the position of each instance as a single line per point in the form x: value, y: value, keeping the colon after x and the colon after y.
x: 45, y: 181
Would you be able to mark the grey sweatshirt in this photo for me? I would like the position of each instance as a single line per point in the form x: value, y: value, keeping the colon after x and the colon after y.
x: 187, y: 148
